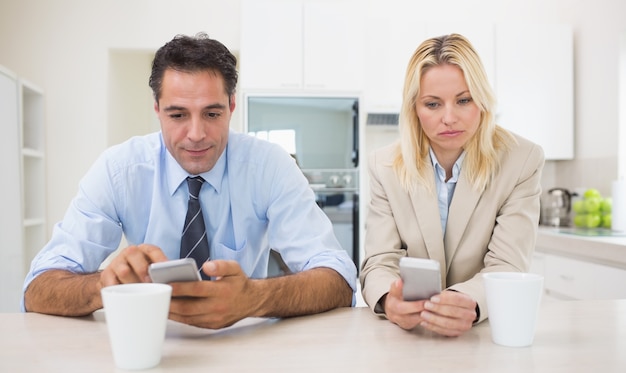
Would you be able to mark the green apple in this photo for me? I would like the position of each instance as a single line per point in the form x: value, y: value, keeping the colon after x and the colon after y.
x: 606, y: 221
x: 579, y: 206
x: 580, y: 220
x: 592, y: 204
x: 593, y: 220
x: 606, y: 205
x: 592, y: 192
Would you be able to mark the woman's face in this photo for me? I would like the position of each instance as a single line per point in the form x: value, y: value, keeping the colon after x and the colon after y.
x: 446, y: 111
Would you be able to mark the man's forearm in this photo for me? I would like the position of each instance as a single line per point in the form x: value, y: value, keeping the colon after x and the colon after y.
x: 64, y: 293
x: 312, y: 291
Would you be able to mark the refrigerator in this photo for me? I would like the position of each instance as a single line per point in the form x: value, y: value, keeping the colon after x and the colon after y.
x: 322, y: 134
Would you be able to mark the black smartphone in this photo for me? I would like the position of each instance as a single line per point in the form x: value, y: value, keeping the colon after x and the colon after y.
x: 177, y: 270
x: 421, y: 278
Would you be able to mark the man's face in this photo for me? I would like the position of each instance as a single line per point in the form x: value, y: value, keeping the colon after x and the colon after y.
x: 194, y: 111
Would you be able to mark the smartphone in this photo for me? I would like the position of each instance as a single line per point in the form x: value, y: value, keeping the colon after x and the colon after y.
x: 177, y: 270
x: 421, y: 278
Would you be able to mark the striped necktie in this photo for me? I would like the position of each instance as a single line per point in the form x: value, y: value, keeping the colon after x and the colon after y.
x: 194, y: 242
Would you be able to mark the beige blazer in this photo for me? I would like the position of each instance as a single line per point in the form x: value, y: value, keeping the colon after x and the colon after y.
x: 492, y: 230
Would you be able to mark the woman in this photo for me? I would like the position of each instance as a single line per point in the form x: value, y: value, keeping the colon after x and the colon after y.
x: 456, y: 188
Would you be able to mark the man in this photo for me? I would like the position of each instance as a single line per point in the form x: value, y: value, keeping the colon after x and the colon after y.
x: 253, y: 198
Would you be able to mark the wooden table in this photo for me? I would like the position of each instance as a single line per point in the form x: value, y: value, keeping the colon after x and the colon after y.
x: 572, y: 336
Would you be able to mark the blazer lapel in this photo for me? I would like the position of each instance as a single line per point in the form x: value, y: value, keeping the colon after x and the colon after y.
x: 426, y: 209
x: 462, y: 206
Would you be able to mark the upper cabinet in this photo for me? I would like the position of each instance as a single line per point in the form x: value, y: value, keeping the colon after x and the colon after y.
x: 535, y: 84
x: 300, y: 45
x: 391, y: 43
x: 389, y: 47
x: 271, y: 44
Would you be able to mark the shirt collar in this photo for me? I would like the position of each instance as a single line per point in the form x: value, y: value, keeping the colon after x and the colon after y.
x: 441, y: 172
x: 176, y: 175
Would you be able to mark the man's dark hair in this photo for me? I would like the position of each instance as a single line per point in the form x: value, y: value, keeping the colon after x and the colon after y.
x: 192, y: 54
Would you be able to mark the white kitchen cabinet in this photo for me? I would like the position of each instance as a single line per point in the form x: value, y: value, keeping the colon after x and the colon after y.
x: 392, y: 42
x: 333, y: 46
x: 538, y: 264
x: 271, y: 44
x: 579, y: 266
x: 569, y: 278
x: 11, y: 253
x: 535, y: 84
x: 300, y: 45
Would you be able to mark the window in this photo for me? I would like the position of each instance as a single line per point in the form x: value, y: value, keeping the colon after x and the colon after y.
x: 284, y: 138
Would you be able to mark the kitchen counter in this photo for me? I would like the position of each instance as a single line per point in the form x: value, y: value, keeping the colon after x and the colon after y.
x: 570, y: 242
x: 576, y: 336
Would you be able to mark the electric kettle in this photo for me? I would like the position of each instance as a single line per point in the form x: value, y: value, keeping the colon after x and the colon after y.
x: 556, y: 208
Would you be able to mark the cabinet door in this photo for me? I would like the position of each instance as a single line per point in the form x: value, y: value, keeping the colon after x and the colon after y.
x: 333, y: 46
x: 535, y: 85
x: 11, y: 256
x: 538, y: 264
x: 569, y: 278
x: 390, y: 44
x: 271, y: 44
x: 578, y: 279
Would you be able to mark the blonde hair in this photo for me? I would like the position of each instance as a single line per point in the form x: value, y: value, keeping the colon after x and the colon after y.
x: 481, y: 159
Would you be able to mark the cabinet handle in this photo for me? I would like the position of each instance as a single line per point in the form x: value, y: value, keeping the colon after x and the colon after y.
x: 567, y: 277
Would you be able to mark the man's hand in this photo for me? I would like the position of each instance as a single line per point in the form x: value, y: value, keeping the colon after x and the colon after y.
x: 131, y: 265
x: 449, y: 313
x: 60, y: 292
x: 232, y: 296
x: 213, y: 304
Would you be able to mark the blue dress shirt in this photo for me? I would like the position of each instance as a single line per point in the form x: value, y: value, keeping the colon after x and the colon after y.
x: 445, y: 189
x: 255, y: 198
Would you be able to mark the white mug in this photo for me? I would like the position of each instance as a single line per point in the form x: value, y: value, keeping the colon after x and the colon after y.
x: 136, y: 318
x: 513, y: 300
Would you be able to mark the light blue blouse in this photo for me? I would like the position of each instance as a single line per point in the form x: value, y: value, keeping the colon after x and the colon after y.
x: 445, y: 189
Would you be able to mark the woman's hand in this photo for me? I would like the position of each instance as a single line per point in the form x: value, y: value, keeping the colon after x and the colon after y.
x: 448, y: 313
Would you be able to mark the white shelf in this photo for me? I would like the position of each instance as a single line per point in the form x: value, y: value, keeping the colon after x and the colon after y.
x: 33, y: 170
x: 23, y: 157
x: 33, y: 222
x: 32, y: 153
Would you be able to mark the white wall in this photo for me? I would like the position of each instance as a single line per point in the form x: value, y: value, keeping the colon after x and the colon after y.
x: 64, y: 46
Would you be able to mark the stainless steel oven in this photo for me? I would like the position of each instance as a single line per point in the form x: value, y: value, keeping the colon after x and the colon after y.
x: 322, y: 134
